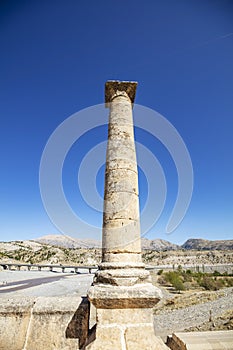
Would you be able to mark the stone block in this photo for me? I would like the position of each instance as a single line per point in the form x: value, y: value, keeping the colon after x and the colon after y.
x: 121, y: 236
x: 51, y: 324
x: 118, y: 163
x: 105, y: 296
x: 123, y: 277
x: 120, y: 129
x: 44, y: 323
x: 124, y: 317
x: 14, y: 320
x: 210, y: 340
x: 107, y: 338
x: 130, y: 260
x: 121, y: 180
x: 142, y: 337
x: 121, y: 152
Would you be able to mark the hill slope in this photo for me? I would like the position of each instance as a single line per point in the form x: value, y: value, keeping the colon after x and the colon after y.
x: 204, y: 244
x: 68, y: 242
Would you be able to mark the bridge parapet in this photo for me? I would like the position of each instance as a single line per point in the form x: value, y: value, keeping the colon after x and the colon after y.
x: 39, y: 267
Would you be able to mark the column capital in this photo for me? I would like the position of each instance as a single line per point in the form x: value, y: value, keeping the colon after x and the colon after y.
x: 114, y: 87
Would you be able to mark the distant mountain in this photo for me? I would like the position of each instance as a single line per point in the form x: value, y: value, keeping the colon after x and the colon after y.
x: 204, y: 244
x: 65, y: 241
x: 68, y: 242
x: 158, y: 245
x: 61, y: 249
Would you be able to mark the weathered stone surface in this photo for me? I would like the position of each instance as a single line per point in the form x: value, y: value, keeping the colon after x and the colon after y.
x: 121, y: 236
x: 125, y: 163
x: 111, y: 88
x: 121, y: 205
x: 219, y: 340
x: 106, y: 296
x: 119, y: 130
x: 142, y: 336
x: 124, y: 317
x: 128, y: 329
x: 122, y: 291
x: 107, y: 338
x: 121, y: 228
x: 131, y: 260
x: 14, y: 320
x: 48, y: 323
x: 117, y: 181
x: 122, y: 277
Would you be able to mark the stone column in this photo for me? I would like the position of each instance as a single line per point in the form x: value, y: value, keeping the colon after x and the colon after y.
x: 121, y: 227
x: 122, y: 290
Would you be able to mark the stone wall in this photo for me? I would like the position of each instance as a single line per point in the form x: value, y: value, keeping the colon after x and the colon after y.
x: 48, y: 323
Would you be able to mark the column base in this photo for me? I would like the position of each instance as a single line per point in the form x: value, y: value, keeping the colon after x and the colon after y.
x: 122, y: 274
x: 121, y: 329
x: 104, y: 296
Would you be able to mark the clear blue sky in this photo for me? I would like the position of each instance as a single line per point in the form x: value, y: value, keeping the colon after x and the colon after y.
x: 55, y: 58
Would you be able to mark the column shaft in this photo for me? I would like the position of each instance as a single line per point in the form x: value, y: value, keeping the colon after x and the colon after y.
x: 121, y: 226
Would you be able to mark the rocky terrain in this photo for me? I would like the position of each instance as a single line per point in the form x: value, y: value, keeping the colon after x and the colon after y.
x: 188, y: 257
x: 204, y: 244
x: 60, y: 249
x: 198, y: 311
x: 190, y: 310
x: 158, y: 245
x: 34, y: 252
x: 65, y: 241
x: 147, y: 244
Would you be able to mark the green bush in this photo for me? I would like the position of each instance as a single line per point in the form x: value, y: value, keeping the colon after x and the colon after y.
x: 210, y: 284
x: 174, y: 278
x: 160, y: 272
x: 216, y: 273
x: 179, y: 268
x: 178, y: 284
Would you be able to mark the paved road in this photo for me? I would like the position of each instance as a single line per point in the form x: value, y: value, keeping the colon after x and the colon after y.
x: 36, y: 283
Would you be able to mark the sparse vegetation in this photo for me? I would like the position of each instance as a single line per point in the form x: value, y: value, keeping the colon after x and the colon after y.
x: 185, y: 280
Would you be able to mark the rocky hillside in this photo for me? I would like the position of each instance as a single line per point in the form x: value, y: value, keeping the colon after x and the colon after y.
x: 157, y: 252
x: 35, y: 252
x: 73, y: 243
x: 147, y: 244
x: 68, y: 242
x: 204, y: 244
x: 158, y: 245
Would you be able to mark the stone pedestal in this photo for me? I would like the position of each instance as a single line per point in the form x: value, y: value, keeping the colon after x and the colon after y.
x: 122, y: 290
x: 123, y: 329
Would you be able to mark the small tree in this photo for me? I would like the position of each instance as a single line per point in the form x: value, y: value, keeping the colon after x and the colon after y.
x: 178, y: 284
x: 175, y: 280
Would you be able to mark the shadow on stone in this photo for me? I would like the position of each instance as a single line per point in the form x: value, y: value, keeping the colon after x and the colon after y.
x: 78, y: 327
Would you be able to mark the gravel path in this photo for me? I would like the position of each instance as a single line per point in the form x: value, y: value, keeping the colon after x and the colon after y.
x: 170, y: 321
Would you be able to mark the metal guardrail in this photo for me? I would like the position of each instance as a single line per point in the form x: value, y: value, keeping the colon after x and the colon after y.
x: 198, y: 268
x: 195, y: 267
x: 9, y: 266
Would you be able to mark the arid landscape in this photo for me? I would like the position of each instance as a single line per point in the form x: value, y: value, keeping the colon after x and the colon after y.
x: 196, y: 279
x: 61, y: 249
